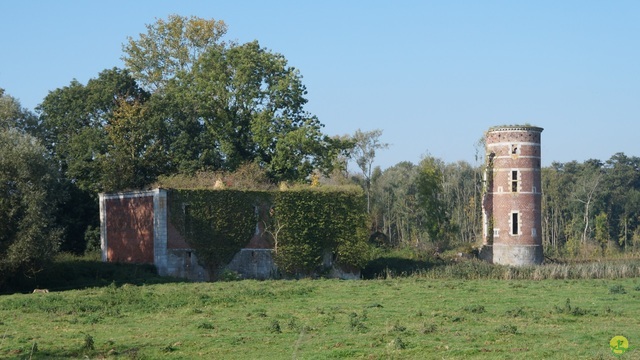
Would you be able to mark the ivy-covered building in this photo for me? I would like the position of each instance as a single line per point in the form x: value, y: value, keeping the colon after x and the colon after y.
x: 197, y: 234
x: 137, y: 227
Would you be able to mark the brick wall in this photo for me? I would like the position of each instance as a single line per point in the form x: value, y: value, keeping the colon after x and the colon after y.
x: 512, y: 203
x: 129, y: 230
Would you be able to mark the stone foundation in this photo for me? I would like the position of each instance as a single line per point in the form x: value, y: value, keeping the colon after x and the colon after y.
x: 516, y: 255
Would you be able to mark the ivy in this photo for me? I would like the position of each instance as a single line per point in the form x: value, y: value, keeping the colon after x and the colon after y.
x: 305, y: 224
x: 319, y: 221
x: 217, y: 224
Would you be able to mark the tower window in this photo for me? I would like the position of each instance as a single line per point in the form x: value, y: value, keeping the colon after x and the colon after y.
x: 514, y: 181
x: 514, y: 223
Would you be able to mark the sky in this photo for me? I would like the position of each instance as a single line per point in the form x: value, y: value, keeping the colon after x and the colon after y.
x: 432, y: 75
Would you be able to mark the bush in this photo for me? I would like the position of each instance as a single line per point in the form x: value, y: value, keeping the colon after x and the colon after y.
x: 29, y: 193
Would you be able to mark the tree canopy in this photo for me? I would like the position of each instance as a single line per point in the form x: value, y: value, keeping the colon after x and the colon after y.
x: 186, y: 102
x: 29, y: 236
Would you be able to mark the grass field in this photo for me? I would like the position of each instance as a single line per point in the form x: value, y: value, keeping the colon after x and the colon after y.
x: 399, y: 318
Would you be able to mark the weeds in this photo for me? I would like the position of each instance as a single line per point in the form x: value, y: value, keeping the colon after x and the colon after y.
x: 356, y: 322
x: 569, y: 310
x: 89, y: 343
x: 274, y: 327
x: 517, y: 312
x: 206, y: 326
x: 397, y: 327
x: 476, y: 269
x: 474, y: 309
x: 617, y: 289
x: 428, y: 328
x: 507, y: 329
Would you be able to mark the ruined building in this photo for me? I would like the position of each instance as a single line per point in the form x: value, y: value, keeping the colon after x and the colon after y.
x: 511, y: 206
x: 136, y: 227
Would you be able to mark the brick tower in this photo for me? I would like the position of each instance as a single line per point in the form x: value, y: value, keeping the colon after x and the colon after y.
x: 511, y: 206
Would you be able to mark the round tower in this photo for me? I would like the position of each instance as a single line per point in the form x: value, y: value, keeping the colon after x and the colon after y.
x: 512, y: 226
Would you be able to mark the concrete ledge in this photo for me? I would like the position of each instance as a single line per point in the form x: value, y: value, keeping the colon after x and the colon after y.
x: 517, y: 255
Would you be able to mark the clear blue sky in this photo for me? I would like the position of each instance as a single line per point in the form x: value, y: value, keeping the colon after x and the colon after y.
x: 433, y: 75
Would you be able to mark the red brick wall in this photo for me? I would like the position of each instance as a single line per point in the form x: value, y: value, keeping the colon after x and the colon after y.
x: 129, y: 229
x: 515, y: 149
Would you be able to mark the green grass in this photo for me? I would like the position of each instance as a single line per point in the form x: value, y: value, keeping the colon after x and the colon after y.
x: 397, y: 318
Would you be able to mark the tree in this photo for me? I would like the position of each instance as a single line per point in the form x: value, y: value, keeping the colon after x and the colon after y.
x: 395, y: 208
x: 13, y: 115
x: 80, y: 125
x: 586, y: 191
x: 29, y: 194
x: 429, y: 187
x: 252, y: 103
x: 170, y: 47
x: 621, y: 185
x: 461, y: 194
x: 134, y: 157
x: 75, y: 120
x: 364, y: 153
x: 226, y: 104
x: 602, y: 230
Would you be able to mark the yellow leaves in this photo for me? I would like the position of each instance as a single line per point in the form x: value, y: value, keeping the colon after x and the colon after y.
x: 126, y: 128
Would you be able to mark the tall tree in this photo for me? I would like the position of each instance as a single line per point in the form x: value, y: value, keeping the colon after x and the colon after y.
x: 586, y: 192
x: 13, y: 115
x: 29, y: 196
x: 170, y: 47
x: 252, y: 103
x: 461, y: 194
x: 430, y: 198
x: 74, y: 120
x: 226, y: 104
x: 364, y: 153
x: 395, y: 207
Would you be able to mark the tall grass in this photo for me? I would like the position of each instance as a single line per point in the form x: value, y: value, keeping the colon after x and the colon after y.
x: 475, y: 269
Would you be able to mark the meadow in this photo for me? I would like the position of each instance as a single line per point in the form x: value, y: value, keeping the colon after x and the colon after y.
x: 422, y: 316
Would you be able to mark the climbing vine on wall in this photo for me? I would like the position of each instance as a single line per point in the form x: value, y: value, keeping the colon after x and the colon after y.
x: 307, y: 223
x: 216, y: 223
x: 315, y: 222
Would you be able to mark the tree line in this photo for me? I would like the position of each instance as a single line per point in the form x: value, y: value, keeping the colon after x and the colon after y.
x: 588, y: 209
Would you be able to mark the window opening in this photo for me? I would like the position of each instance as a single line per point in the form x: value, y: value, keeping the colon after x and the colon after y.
x: 514, y: 181
x: 514, y: 223
x: 186, y: 212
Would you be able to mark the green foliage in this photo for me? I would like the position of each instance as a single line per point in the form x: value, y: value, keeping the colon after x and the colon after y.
x: 223, y: 104
x: 429, y: 188
x: 29, y: 195
x: 170, y: 47
x: 89, y: 343
x: 617, y: 289
x: 81, y: 122
x: 365, y: 144
x: 13, y: 115
x: 216, y: 223
x: 316, y: 222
